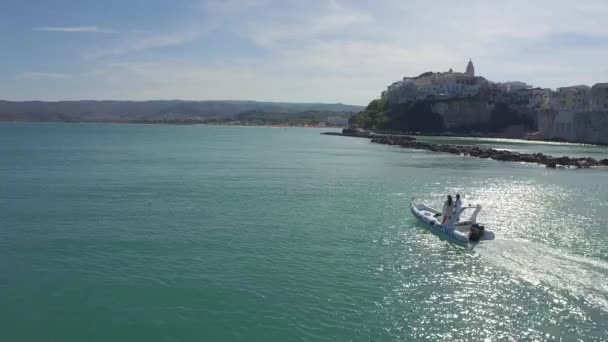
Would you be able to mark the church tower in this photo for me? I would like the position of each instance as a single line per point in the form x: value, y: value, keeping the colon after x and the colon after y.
x: 470, y: 69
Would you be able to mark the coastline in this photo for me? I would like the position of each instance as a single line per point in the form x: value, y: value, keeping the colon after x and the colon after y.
x: 372, y: 134
x: 407, y: 141
x: 174, y: 123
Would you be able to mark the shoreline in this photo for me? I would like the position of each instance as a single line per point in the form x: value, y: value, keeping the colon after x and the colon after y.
x: 371, y: 135
x: 407, y: 141
x: 497, y: 136
x: 170, y: 123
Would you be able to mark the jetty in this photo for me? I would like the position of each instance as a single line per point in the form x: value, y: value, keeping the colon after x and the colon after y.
x: 407, y: 141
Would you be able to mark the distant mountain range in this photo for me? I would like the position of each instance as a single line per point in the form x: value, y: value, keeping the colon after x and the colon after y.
x: 158, y: 111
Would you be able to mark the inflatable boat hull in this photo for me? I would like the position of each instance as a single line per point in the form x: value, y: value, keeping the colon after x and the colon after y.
x: 457, y: 233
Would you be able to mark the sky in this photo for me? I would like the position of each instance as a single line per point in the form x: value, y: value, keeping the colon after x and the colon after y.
x: 333, y: 51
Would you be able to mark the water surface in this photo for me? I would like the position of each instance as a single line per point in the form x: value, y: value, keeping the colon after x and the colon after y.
x: 182, y: 233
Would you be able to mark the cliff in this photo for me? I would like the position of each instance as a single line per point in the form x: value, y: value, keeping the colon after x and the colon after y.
x: 592, y: 127
x: 464, y: 103
x: 463, y: 115
x: 587, y: 127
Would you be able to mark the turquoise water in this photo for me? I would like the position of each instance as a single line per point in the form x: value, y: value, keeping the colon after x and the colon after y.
x: 196, y: 233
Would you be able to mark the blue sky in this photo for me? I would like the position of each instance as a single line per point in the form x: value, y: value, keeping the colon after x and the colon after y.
x: 286, y: 50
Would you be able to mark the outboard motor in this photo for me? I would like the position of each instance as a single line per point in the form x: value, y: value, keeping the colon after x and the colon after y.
x: 476, y: 232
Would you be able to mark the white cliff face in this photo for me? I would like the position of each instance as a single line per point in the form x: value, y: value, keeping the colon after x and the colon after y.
x: 564, y: 126
x: 592, y: 127
x: 462, y: 113
x: 587, y: 126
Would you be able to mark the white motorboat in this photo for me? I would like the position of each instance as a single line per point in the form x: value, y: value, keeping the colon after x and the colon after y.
x: 467, y: 233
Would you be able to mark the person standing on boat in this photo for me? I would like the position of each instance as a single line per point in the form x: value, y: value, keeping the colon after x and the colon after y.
x: 457, y: 209
x: 448, y: 210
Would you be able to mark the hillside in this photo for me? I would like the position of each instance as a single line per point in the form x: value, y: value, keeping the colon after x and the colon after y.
x: 156, y: 111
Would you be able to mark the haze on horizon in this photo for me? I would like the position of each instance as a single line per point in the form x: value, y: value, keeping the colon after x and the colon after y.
x: 293, y: 51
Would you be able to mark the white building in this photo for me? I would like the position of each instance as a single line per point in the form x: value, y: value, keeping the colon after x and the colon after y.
x: 540, y: 99
x: 442, y: 85
x: 515, y: 86
x: 599, y: 97
x: 575, y: 98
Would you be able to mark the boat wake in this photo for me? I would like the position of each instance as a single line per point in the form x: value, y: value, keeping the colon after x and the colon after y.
x: 548, y: 267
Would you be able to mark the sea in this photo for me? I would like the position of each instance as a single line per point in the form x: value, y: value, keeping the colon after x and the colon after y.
x: 112, y: 232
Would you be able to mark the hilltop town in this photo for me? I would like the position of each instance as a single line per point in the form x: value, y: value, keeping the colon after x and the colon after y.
x: 463, y: 101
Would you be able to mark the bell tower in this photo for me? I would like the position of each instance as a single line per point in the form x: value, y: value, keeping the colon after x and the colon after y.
x: 470, y: 69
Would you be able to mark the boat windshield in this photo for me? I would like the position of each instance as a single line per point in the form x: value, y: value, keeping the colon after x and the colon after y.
x: 473, y: 215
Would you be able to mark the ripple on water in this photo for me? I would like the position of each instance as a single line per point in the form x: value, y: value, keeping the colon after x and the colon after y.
x: 289, y: 236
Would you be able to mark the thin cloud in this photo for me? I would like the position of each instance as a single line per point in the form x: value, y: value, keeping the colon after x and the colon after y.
x: 73, y: 29
x: 310, y: 28
x: 43, y: 75
x: 143, y: 42
x: 231, y: 7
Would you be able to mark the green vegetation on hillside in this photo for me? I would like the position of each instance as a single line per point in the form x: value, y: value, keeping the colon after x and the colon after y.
x: 374, y: 116
x: 415, y: 116
x: 157, y: 111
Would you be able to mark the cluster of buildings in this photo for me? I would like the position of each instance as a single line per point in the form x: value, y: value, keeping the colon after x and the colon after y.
x: 430, y: 86
x: 578, y: 113
x: 565, y: 113
x: 580, y: 98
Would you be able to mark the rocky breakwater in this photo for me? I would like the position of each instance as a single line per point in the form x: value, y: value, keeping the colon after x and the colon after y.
x: 369, y: 135
x: 480, y: 152
x: 357, y: 133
